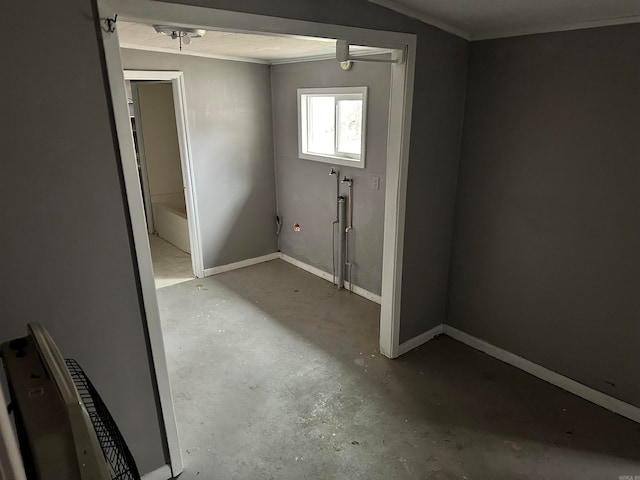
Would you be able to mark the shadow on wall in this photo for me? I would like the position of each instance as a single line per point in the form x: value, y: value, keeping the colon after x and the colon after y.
x: 244, y: 227
x: 441, y: 388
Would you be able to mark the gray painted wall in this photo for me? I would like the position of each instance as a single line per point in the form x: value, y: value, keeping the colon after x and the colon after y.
x: 67, y: 258
x: 306, y: 193
x: 546, y: 261
x: 435, y: 142
x: 229, y: 115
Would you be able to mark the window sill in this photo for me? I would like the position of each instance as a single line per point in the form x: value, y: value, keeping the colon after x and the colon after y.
x: 347, y: 162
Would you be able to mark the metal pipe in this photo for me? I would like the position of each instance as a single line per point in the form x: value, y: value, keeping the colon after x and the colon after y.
x: 347, y: 262
x: 348, y: 230
x: 335, y: 172
x: 342, y: 221
x: 349, y: 182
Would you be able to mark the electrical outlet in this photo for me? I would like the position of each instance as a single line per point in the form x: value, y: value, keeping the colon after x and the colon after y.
x: 375, y: 182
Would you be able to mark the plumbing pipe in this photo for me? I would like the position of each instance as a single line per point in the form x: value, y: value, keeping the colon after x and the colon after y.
x: 342, y: 222
x: 335, y: 172
x: 349, y: 182
x: 348, y: 230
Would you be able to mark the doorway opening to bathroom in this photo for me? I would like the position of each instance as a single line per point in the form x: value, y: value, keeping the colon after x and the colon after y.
x: 162, y: 144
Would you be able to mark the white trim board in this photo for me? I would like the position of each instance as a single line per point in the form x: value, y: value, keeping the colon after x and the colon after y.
x: 554, y: 378
x: 328, y: 277
x: 328, y: 56
x: 565, y: 383
x: 141, y: 242
x: 241, y: 264
x: 232, y: 58
x: 420, y: 339
x: 296, y: 263
x: 162, y: 473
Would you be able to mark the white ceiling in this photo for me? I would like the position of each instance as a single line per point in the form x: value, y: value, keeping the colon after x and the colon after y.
x: 481, y: 19
x: 235, y: 46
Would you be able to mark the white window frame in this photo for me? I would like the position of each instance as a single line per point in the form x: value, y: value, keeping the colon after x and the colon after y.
x: 341, y: 93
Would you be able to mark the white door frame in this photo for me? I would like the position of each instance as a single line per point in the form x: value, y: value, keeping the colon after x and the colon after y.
x: 401, y: 104
x: 142, y: 160
x: 186, y: 161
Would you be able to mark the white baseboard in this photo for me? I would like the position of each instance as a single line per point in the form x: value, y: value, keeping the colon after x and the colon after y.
x: 241, y: 264
x: 375, y: 298
x: 418, y: 340
x: 328, y: 277
x: 162, y: 473
x: 308, y: 268
x: 554, y: 378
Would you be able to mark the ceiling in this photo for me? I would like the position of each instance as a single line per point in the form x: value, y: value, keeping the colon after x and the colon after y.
x: 482, y: 19
x: 235, y: 46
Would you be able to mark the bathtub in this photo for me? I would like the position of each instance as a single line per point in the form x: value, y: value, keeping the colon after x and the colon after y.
x: 171, y: 225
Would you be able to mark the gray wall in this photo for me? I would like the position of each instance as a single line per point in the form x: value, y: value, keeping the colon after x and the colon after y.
x: 546, y: 261
x: 67, y: 259
x: 229, y: 115
x: 435, y: 142
x: 306, y: 193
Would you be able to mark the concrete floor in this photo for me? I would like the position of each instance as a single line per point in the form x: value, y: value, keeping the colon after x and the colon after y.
x: 276, y: 375
x: 170, y: 264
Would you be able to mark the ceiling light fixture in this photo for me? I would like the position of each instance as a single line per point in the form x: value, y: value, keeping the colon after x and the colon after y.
x: 183, y: 34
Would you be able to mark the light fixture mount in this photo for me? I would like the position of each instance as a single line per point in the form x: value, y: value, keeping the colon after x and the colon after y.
x: 183, y: 34
x: 346, y: 66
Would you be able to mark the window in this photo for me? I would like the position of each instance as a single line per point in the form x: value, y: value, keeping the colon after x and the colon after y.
x: 332, y: 125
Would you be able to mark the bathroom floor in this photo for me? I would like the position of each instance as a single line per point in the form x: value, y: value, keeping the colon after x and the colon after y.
x: 277, y: 375
x: 170, y: 264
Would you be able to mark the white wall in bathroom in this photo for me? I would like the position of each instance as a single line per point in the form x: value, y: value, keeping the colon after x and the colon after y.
x: 157, y: 130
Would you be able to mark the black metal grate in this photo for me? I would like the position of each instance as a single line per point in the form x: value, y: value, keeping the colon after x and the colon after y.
x: 120, y: 462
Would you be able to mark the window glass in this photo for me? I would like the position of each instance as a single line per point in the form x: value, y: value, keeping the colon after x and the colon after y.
x: 350, y: 126
x: 332, y: 125
x: 321, y: 125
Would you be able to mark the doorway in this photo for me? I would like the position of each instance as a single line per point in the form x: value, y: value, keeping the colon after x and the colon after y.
x: 163, y: 154
x: 397, y: 158
x: 156, y: 141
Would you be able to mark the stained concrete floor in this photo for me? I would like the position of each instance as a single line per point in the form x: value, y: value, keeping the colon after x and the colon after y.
x: 170, y: 264
x: 276, y: 375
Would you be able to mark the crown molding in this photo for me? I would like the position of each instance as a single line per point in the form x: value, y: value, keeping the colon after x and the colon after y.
x: 423, y: 17
x: 517, y: 32
x: 505, y: 32
x: 135, y: 46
